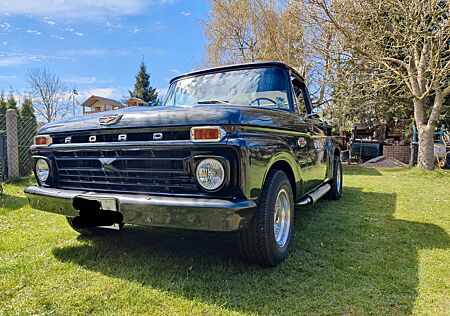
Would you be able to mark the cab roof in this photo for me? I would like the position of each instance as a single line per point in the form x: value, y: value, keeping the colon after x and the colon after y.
x: 236, y: 67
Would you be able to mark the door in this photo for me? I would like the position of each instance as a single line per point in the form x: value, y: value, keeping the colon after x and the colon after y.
x: 315, y: 139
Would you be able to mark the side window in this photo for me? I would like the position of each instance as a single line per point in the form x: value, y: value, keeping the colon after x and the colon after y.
x: 298, y: 98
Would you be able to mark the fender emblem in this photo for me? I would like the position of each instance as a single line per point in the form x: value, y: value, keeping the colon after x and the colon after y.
x: 302, y: 142
x: 109, y: 119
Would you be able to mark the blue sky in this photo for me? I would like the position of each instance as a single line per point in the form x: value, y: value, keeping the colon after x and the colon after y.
x: 97, y: 45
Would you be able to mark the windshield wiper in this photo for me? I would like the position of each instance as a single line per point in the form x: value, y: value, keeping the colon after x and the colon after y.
x: 213, y: 101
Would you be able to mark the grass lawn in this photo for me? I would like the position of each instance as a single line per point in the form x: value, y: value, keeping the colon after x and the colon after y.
x: 383, y: 249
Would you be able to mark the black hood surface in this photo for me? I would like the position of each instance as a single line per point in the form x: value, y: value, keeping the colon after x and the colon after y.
x: 165, y: 116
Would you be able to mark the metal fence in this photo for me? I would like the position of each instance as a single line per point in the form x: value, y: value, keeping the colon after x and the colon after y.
x: 18, y: 132
x: 3, y: 169
x: 26, y: 130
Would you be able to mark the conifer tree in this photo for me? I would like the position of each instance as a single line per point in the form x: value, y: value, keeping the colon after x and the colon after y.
x: 27, y: 111
x: 3, y: 104
x: 12, y: 103
x: 142, y: 88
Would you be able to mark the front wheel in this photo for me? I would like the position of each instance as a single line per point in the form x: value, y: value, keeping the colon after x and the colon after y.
x: 267, y: 239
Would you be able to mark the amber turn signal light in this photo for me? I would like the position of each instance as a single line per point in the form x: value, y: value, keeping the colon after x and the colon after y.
x: 43, y: 140
x: 207, y: 134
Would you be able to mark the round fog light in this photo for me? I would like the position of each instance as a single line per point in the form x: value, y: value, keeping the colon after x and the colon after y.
x: 42, y: 170
x: 210, y: 174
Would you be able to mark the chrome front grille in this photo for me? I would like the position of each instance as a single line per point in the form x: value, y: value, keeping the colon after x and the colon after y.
x: 142, y: 171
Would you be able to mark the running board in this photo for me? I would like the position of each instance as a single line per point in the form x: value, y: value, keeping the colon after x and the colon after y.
x: 314, y: 196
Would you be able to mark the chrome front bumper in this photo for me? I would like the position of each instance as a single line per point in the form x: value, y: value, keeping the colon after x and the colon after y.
x: 150, y: 210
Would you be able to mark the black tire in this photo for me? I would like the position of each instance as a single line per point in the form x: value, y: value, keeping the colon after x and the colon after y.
x: 335, y: 183
x: 93, y: 231
x: 257, y: 243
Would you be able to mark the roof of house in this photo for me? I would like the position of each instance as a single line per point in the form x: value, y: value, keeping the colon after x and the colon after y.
x: 138, y: 100
x: 93, y: 98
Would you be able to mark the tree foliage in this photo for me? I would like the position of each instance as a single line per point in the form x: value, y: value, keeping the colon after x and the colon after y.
x: 11, y: 102
x: 405, y: 44
x: 240, y: 31
x: 142, y: 88
x: 365, y: 61
x: 3, y: 104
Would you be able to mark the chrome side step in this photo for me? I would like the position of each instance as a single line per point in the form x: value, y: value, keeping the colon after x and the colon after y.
x: 314, y: 196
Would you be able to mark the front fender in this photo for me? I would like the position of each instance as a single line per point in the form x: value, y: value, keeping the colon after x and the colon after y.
x: 258, y: 153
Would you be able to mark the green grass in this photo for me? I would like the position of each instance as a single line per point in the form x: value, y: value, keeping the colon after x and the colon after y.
x: 384, y: 248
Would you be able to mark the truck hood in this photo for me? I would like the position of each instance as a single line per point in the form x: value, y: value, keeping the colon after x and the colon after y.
x: 142, y: 117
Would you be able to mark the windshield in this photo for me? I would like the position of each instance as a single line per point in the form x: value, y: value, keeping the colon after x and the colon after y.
x: 260, y: 87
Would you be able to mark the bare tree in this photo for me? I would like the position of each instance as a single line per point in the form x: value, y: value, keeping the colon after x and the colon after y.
x: 268, y: 30
x: 252, y: 30
x: 49, y: 93
x: 406, y: 44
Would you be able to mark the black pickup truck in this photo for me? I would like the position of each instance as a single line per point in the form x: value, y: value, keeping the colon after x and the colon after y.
x: 233, y: 148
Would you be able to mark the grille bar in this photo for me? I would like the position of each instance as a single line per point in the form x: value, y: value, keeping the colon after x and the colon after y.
x: 64, y: 175
x: 124, y: 170
x: 117, y: 159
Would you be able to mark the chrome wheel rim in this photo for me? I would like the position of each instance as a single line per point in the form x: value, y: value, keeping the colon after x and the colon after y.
x: 338, y: 178
x: 282, y: 218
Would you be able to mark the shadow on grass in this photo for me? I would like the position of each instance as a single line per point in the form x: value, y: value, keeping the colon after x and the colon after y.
x: 348, y: 257
x: 359, y: 170
x: 12, y: 202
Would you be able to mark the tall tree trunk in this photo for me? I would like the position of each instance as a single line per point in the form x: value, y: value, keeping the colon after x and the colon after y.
x: 425, y: 158
x: 425, y: 130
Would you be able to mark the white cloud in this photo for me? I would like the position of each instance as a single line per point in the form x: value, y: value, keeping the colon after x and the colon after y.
x: 78, y: 8
x: 6, y: 61
x: 111, y: 93
x: 5, y: 26
x: 13, y: 59
x: 69, y: 29
x: 185, y: 13
x: 2, y: 77
x: 159, y: 25
x: 81, y: 80
x: 97, y: 52
x: 5, y: 43
x: 86, y: 80
x: 49, y: 22
x: 135, y: 30
x: 111, y: 25
x: 122, y: 52
x: 79, y: 34
x: 34, y: 32
x: 175, y: 71
x: 57, y: 37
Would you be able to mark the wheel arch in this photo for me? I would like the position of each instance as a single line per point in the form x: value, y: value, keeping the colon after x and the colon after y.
x: 334, y: 151
x: 286, y: 164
